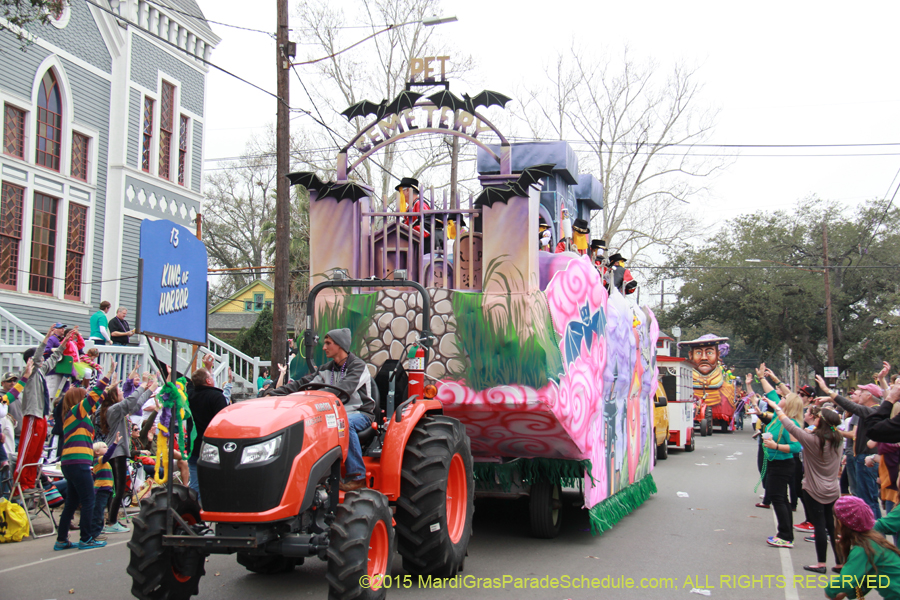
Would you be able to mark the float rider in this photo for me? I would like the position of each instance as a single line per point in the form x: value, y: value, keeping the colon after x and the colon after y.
x: 349, y: 373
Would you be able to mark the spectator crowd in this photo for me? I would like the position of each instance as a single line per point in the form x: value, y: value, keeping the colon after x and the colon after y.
x: 71, y: 430
x: 836, y: 459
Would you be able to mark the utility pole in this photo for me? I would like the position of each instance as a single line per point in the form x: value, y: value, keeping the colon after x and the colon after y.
x: 829, y: 328
x: 282, y: 195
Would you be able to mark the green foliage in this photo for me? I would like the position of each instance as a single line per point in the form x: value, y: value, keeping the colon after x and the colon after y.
x: 23, y: 13
x: 353, y: 311
x: 257, y: 340
x: 509, y: 343
x: 772, y: 308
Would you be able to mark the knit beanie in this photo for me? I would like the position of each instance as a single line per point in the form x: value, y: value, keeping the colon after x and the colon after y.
x: 341, y: 337
x: 854, y: 513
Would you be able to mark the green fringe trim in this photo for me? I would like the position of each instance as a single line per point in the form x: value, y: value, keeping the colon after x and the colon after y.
x: 569, y: 473
x: 607, y: 513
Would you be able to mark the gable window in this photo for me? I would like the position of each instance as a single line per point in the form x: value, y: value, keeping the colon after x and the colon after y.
x: 12, y: 199
x: 182, y: 147
x: 269, y: 304
x: 248, y: 304
x: 14, y: 131
x: 80, y: 144
x: 146, y: 142
x: 166, y: 128
x: 49, y: 122
x: 257, y: 301
x: 77, y: 231
x: 43, y: 244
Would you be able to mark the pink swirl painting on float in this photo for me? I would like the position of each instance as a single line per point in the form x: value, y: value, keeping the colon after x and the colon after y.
x: 601, y: 406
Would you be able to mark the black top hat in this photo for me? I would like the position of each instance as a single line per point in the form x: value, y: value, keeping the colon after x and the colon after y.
x: 581, y: 226
x: 408, y: 182
x: 616, y: 258
x: 598, y: 244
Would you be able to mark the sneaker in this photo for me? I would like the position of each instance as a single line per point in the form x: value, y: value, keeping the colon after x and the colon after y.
x: 761, y: 505
x: 91, y: 543
x: 810, y: 538
x: 63, y: 545
x: 804, y: 526
x: 117, y: 528
x: 778, y: 542
x: 101, y: 537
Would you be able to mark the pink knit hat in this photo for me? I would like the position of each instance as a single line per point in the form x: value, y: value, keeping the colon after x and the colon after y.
x: 872, y: 389
x: 854, y: 513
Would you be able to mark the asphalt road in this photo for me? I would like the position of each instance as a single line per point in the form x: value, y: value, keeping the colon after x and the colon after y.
x: 714, y: 536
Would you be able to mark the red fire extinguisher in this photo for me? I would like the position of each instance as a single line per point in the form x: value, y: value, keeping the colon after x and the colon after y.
x: 415, y: 369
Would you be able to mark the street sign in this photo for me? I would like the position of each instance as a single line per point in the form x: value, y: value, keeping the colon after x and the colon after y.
x: 172, y: 296
x: 832, y: 372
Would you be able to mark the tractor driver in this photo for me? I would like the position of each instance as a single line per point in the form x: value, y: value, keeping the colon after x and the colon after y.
x: 349, y: 373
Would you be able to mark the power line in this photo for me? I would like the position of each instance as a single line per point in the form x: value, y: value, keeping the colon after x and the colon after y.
x: 203, y: 18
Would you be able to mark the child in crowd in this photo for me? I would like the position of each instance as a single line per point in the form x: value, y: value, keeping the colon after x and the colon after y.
x: 866, y: 552
x: 77, y: 460
x: 103, y: 484
x: 114, y: 422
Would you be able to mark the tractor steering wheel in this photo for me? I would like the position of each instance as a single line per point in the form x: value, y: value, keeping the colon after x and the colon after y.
x: 315, y: 385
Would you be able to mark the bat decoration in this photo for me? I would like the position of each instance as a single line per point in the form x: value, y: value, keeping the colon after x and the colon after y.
x: 366, y: 108
x: 347, y: 191
x: 486, y: 98
x: 447, y: 99
x: 534, y: 174
x: 518, y: 188
x: 308, y: 180
x: 403, y: 101
x: 342, y: 191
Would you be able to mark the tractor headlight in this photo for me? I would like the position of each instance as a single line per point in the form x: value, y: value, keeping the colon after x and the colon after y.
x: 209, y: 453
x: 261, y: 452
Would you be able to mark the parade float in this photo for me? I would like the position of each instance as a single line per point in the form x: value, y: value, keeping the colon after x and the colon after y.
x: 714, y: 388
x: 676, y: 378
x: 552, y: 375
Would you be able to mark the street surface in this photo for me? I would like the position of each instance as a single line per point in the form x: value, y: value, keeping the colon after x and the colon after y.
x: 714, y: 534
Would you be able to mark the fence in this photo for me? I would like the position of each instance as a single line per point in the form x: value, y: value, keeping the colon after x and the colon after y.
x: 16, y: 336
x: 431, y: 257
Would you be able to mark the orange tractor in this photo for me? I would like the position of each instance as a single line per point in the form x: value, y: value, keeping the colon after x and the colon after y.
x: 269, y: 472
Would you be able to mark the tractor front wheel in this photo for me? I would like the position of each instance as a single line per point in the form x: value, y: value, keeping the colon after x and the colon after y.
x: 164, y: 572
x: 437, y: 498
x: 360, y: 548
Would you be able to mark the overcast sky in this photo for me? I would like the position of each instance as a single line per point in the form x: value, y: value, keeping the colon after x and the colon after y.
x: 777, y: 72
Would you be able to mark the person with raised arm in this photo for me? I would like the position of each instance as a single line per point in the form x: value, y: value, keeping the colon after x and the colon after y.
x: 821, y: 488
x: 863, y: 403
x: 78, y: 406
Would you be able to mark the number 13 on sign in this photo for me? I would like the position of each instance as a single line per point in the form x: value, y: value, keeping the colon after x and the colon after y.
x: 173, y: 238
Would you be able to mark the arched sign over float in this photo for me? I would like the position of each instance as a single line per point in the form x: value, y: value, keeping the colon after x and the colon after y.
x: 410, y: 114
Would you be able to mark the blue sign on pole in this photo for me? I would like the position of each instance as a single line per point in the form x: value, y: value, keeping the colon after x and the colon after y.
x: 172, y: 294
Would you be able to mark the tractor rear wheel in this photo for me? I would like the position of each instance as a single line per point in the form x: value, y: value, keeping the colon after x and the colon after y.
x: 360, y: 546
x: 437, y: 498
x: 164, y: 572
x: 267, y: 564
x: 545, y: 508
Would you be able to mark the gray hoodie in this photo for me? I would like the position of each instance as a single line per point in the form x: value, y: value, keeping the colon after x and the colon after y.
x: 118, y: 421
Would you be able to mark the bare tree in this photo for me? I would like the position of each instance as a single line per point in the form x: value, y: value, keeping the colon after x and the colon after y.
x: 635, y: 130
x: 239, y: 201
x: 375, y: 71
